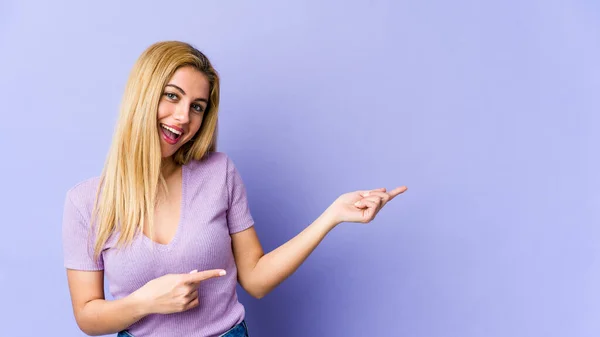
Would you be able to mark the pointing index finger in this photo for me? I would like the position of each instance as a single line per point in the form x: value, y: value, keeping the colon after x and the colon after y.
x: 196, y: 277
x: 397, y: 191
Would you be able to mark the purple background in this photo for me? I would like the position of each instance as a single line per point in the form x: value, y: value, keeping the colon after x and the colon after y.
x: 487, y: 111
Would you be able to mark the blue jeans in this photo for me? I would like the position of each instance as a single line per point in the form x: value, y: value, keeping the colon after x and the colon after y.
x: 240, y: 330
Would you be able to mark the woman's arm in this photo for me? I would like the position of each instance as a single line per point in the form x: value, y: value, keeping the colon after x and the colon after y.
x: 95, y: 315
x: 163, y: 295
x: 259, y: 273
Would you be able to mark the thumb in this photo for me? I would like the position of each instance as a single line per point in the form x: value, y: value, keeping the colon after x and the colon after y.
x: 198, y: 276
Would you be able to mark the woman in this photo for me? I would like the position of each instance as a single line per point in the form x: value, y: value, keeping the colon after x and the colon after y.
x: 167, y: 222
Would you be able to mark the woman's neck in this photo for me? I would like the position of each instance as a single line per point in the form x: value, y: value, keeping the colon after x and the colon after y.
x: 168, y: 167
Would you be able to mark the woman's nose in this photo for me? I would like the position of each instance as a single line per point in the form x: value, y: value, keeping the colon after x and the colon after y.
x: 181, y: 114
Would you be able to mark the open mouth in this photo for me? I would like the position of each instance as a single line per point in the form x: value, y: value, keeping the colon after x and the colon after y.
x: 171, y: 134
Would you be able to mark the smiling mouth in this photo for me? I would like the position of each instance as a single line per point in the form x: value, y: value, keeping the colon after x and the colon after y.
x: 170, y: 134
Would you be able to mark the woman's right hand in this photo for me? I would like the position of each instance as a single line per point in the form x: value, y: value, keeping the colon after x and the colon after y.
x: 173, y: 292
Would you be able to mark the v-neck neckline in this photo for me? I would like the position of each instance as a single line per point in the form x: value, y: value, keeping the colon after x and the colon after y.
x: 183, y: 206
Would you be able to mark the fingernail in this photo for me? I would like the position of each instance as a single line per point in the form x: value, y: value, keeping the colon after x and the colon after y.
x: 366, y: 194
x: 357, y: 203
x: 194, y: 271
x: 222, y: 273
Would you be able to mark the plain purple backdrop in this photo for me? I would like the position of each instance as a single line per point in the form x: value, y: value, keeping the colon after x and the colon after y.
x: 487, y: 111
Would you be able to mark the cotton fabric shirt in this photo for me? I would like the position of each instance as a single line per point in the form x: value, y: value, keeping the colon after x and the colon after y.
x: 213, y: 206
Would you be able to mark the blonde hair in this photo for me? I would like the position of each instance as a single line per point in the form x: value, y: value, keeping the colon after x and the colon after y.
x: 129, y: 183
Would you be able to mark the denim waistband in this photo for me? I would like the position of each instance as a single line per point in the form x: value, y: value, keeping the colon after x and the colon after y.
x: 239, y: 330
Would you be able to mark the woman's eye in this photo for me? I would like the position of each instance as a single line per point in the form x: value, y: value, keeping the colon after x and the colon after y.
x: 171, y: 95
x: 197, y: 107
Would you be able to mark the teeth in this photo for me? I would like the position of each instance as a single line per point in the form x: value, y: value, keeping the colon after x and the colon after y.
x: 171, y: 129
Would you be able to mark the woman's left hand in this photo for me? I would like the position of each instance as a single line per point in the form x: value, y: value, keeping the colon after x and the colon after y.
x: 361, y: 206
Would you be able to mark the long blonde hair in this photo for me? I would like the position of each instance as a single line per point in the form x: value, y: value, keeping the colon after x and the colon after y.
x: 129, y: 183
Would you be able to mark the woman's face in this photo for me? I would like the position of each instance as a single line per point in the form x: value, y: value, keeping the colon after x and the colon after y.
x: 181, y: 108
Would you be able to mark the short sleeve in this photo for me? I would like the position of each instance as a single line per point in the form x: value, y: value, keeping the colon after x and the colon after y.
x: 239, y: 217
x: 78, y: 244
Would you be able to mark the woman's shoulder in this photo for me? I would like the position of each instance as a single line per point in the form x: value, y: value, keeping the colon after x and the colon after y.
x: 84, y: 187
x: 211, y: 160
x: 217, y: 166
x: 83, y: 193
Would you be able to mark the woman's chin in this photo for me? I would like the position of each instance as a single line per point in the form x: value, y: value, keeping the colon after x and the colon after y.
x: 166, y: 153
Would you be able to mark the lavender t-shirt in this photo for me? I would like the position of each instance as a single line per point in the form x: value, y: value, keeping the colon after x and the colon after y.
x: 213, y: 206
